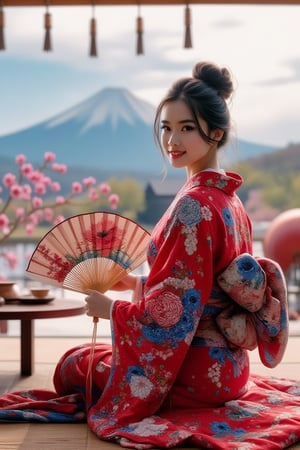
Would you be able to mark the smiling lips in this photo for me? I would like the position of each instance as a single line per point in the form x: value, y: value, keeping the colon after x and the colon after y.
x: 175, y: 154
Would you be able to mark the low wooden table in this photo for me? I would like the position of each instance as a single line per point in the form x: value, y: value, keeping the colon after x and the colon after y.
x: 26, y: 313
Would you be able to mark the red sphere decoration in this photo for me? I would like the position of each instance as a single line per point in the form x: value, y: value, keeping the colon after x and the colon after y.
x: 282, y: 239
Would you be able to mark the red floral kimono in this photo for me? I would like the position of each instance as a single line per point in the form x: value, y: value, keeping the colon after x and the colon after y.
x: 178, y: 367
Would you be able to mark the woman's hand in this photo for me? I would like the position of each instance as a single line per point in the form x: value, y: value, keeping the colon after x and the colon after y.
x: 98, y: 305
x: 128, y: 282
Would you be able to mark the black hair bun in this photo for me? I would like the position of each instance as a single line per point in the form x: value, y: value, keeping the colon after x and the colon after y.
x: 214, y: 77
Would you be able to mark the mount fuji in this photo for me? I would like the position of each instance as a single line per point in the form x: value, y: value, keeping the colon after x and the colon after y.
x: 110, y: 132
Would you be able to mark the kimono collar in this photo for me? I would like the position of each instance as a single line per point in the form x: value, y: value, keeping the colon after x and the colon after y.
x: 228, y: 182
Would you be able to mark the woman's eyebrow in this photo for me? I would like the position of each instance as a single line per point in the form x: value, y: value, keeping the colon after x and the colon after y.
x: 180, y: 121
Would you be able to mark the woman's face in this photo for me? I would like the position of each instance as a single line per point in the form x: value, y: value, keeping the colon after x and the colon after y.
x: 182, y: 141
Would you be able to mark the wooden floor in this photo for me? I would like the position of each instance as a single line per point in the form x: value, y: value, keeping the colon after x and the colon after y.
x: 78, y: 436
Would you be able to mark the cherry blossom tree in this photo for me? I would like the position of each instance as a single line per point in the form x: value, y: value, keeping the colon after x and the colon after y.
x: 25, y: 194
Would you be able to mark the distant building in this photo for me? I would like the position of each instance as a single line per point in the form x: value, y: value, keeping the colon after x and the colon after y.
x: 158, y: 196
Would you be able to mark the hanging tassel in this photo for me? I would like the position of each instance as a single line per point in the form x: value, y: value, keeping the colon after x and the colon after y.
x: 139, y: 30
x: 93, y: 32
x: 2, y: 43
x: 47, y: 42
x: 89, y: 376
x: 188, y: 34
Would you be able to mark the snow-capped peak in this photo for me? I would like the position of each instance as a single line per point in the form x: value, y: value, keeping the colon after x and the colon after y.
x: 110, y: 104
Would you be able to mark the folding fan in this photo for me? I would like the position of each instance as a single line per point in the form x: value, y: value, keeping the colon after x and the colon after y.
x: 89, y: 251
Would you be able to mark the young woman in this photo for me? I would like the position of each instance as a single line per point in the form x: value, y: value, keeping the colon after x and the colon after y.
x: 178, y: 367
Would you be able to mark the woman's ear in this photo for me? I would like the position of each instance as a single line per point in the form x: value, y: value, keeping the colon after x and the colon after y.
x: 217, y: 134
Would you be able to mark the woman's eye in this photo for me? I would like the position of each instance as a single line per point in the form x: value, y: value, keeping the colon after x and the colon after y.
x: 165, y: 128
x: 188, y: 128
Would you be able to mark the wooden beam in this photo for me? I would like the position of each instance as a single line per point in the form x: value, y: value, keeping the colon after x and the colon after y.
x: 25, y: 3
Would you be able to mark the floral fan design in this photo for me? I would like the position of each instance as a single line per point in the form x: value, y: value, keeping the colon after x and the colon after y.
x: 89, y: 251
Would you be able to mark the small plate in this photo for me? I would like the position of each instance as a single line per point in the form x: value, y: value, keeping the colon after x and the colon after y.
x: 29, y: 299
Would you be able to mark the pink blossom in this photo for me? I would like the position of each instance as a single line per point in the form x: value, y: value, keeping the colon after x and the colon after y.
x: 113, y: 205
x: 48, y: 214
x: 6, y: 231
x: 58, y: 219
x: 61, y: 168
x: 40, y: 213
x: 49, y: 156
x: 55, y: 186
x: 31, y: 211
x: 16, y: 191
x: 55, y: 167
x: 26, y: 169
x: 104, y: 188
x: 76, y: 187
x: 27, y: 190
x: 20, y: 159
x: 36, y: 217
x: 89, y: 182
x: 93, y: 194
x: 20, y: 212
x: 26, y: 197
x: 37, y: 202
x: 60, y: 200
x: 47, y: 181
x: 9, y: 179
x: 35, y: 176
x: 113, y: 201
x: 4, y: 221
x: 11, y: 259
x: 29, y: 228
x: 40, y: 188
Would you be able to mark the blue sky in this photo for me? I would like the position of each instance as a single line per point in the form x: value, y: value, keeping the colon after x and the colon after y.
x: 259, y: 44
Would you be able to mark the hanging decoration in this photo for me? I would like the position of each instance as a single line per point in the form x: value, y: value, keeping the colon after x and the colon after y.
x: 47, y: 23
x: 188, y: 32
x: 93, y: 33
x: 139, y: 30
x: 2, y: 42
x: 93, y: 29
